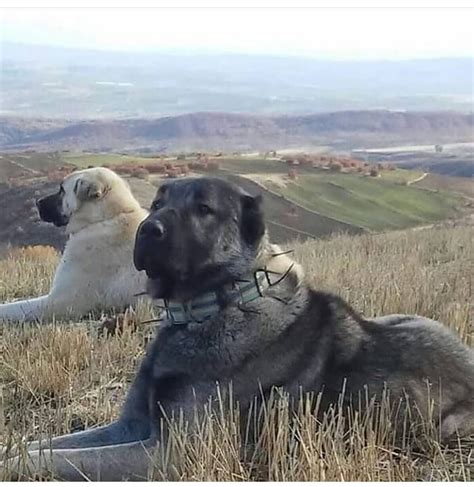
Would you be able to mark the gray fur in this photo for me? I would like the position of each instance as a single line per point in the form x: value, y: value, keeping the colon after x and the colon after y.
x: 293, y: 337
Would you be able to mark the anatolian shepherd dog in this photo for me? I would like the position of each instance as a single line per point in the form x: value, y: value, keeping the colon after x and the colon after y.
x: 96, y: 270
x: 206, y: 253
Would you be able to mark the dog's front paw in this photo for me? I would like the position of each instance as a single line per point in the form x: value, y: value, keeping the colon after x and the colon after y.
x: 29, y: 466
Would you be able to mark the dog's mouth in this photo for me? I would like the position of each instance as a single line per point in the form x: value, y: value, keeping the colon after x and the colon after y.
x: 154, y: 288
x: 61, y: 222
x: 50, y: 214
x: 160, y: 287
x: 152, y: 274
x: 164, y: 283
x: 57, y: 220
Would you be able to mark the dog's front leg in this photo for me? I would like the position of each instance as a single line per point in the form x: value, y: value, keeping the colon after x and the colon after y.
x: 133, y: 425
x: 121, y: 431
x: 24, y: 310
x: 128, y: 461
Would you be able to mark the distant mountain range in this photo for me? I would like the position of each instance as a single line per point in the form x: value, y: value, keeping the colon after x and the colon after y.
x: 42, y: 81
x: 236, y: 132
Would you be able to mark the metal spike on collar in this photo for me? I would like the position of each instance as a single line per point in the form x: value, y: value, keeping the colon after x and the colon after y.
x: 278, y: 299
x: 283, y: 276
x: 283, y: 252
x: 154, y: 320
x: 247, y: 310
x: 267, y: 272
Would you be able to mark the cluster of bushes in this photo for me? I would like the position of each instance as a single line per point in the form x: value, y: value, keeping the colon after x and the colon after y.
x: 156, y: 168
x: 165, y: 168
x: 204, y: 165
x: 323, y: 161
x: 335, y: 164
x: 174, y: 171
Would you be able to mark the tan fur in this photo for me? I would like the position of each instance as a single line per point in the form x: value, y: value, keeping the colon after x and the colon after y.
x: 96, y: 269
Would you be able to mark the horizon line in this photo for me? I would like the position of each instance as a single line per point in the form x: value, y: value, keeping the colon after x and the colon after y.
x: 216, y: 51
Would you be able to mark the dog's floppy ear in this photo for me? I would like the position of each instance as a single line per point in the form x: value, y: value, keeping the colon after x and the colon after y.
x: 89, y: 190
x: 252, y: 224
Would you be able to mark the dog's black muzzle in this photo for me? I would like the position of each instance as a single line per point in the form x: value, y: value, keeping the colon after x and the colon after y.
x: 151, y: 241
x: 49, y: 209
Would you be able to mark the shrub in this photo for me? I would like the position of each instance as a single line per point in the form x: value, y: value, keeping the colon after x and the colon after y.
x: 292, y: 174
x: 213, y: 165
x: 335, y: 166
x: 184, y: 169
x: 156, y: 168
x: 124, y: 169
x: 140, y: 173
x: 173, y: 172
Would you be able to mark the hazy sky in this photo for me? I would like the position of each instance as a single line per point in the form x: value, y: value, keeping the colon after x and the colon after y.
x: 330, y: 33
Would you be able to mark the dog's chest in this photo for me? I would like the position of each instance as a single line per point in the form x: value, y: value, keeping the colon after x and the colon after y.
x: 220, y: 346
x: 197, y: 350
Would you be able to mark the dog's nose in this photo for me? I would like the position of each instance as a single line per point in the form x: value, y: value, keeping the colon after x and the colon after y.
x: 153, y: 228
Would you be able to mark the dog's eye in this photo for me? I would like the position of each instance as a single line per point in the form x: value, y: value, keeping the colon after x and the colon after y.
x: 205, y: 209
x: 156, y: 205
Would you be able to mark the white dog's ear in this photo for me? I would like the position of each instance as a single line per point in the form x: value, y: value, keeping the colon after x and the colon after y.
x: 89, y: 190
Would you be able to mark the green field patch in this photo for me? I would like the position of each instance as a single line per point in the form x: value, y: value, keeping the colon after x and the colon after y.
x: 249, y: 166
x: 401, y: 175
x: 371, y: 203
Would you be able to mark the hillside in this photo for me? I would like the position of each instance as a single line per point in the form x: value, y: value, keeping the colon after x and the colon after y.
x: 394, y: 199
x: 236, y: 132
x: 316, y: 204
x: 449, y: 159
x: 371, y: 204
x: 64, y: 377
x: 21, y: 225
x: 448, y: 165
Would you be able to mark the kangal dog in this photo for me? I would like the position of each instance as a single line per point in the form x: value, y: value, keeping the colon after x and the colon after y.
x: 96, y: 270
x: 240, y: 314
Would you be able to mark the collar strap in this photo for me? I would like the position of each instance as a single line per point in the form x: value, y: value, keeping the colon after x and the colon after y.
x: 207, y: 305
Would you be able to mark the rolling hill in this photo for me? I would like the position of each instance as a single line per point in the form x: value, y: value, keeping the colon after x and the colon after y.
x: 236, y: 132
x: 368, y: 203
x: 315, y: 205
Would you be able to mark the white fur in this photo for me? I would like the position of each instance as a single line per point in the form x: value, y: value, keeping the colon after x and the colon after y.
x: 96, y: 270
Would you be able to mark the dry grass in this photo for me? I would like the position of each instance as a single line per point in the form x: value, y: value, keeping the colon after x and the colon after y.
x: 63, y: 377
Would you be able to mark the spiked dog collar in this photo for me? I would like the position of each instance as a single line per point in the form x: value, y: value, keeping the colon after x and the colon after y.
x: 207, y: 305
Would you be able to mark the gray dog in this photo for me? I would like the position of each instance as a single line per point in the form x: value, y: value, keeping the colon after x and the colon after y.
x: 240, y: 314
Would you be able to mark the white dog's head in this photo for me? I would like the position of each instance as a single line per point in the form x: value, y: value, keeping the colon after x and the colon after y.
x: 87, y: 197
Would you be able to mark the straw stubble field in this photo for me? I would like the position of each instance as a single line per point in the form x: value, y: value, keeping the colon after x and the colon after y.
x: 62, y: 377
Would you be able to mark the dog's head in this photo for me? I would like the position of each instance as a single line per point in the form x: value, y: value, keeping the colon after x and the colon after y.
x: 200, y: 234
x: 86, y: 197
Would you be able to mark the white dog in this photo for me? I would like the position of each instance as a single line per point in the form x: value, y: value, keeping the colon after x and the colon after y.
x: 96, y: 270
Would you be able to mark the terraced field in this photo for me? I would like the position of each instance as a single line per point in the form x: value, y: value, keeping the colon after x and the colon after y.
x: 370, y: 203
x: 387, y: 202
